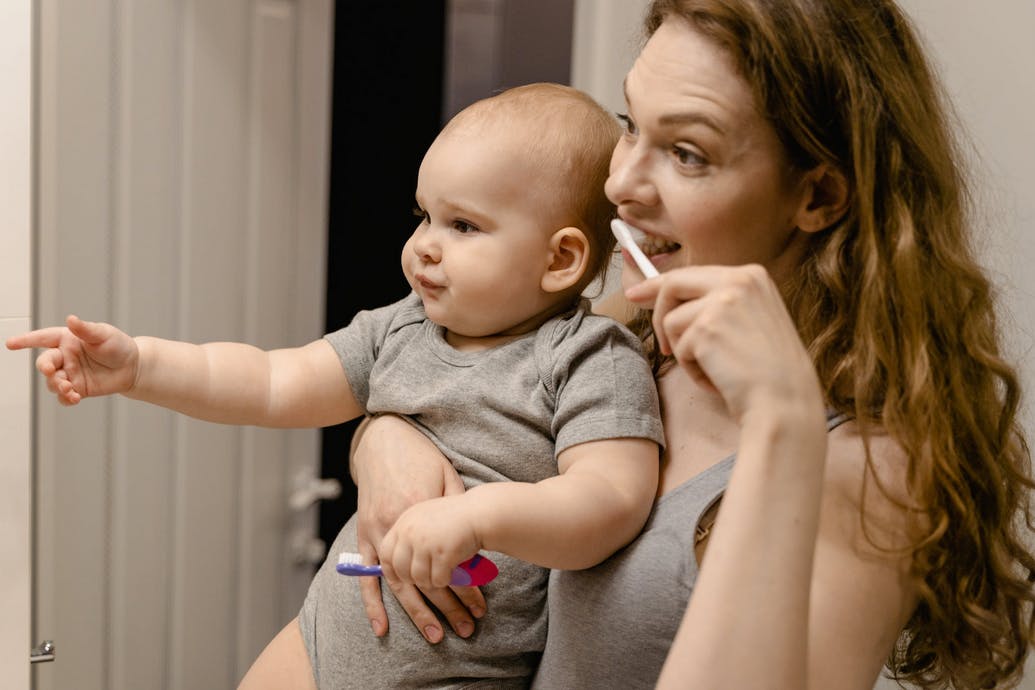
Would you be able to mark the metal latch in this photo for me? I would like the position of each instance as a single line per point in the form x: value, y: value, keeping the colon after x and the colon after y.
x: 44, y: 651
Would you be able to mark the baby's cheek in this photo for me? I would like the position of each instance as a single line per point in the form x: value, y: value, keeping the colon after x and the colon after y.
x: 407, y: 268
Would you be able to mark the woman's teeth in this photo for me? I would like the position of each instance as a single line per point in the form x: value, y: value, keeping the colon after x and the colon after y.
x: 652, y: 245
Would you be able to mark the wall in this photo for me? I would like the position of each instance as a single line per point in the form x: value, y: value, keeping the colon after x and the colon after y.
x: 985, y: 58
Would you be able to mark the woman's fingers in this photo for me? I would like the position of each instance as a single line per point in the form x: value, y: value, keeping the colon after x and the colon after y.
x: 458, y: 606
x: 447, y: 601
x: 728, y: 328
x: 472, y: 600
x: 370, y: 592
x: 417, y: 609
x: 670, y: 291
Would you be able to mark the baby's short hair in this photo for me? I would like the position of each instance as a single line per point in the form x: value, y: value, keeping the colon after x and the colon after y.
x: 570, y: 138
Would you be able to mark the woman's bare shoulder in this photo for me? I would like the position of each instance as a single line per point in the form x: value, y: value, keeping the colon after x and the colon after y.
x: 870, y: 472
x: 862, y: 588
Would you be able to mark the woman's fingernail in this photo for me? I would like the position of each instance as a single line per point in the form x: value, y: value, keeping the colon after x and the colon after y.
x: 433, y: 633
x: 464, y: 628
x: 477, y: 611
x: 376, y: 626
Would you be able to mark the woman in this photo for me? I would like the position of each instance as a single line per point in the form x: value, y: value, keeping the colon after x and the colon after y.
x: 821, y: 315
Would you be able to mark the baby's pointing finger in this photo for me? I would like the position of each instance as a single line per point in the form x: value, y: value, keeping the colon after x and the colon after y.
x: 44, y: 337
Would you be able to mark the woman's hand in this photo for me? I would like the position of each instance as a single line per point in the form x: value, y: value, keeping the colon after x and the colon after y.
x: 396, y: 466
x: 728, y: 327
x: 83, y: 359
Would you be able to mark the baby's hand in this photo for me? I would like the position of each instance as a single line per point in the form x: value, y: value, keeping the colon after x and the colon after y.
x: 429, y: 540
x: 84, y: 359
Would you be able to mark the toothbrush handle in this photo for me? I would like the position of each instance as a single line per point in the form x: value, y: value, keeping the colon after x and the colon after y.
x: 473, y: 572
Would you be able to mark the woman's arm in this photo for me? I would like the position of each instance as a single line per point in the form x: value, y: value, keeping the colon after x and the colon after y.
x: 833, y: 627
x: 789, y: 594
x: 395, y: 466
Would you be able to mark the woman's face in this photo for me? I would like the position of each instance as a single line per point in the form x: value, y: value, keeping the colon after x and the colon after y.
x: 699, y: 169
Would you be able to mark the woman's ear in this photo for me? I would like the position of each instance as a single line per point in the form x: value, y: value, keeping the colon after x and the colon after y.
x: 569, y: 257
x: 827, y: 193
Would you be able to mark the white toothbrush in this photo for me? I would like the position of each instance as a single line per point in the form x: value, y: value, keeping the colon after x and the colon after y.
x: 625, y: 234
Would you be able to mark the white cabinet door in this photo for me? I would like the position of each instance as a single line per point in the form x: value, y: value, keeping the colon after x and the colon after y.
x: 182, y: 179
x: 15, y: 316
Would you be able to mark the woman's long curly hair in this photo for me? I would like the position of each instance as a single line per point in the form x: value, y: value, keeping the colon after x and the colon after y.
x: 896, y: 313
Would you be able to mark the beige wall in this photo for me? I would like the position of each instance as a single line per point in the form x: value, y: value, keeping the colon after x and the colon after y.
x: 986, y: 56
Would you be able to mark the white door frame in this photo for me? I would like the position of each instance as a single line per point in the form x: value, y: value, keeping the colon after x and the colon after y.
x: 15, y: 316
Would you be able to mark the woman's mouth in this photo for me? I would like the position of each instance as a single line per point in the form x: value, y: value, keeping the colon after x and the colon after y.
x: 652, y: 245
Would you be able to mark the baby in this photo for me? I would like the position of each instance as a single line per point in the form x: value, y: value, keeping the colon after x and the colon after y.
x: 548, y: 412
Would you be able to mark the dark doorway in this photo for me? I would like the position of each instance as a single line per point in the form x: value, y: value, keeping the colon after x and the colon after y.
x: 387, y: 107
x: 400, y: 68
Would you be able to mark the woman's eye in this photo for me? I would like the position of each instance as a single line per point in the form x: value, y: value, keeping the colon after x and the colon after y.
x: 687, y: 157
x: 628, y: 126
x: 422, y: 214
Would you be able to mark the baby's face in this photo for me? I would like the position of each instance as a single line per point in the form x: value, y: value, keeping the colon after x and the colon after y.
x: 481, y: 246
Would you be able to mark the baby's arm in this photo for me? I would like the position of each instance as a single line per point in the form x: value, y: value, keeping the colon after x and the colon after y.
x: 230, y: 383
x: 596, y: 505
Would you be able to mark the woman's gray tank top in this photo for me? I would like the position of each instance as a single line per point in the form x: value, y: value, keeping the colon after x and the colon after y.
x: 611, y: 626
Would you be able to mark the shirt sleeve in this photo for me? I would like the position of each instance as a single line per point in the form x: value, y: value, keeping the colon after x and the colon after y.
x: 603, y: 384
x: 359, y: 343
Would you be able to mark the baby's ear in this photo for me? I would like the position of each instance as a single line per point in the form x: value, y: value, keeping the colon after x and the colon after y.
x: 569, y: 257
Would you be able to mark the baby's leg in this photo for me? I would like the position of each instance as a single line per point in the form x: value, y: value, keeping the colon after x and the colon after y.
x: 283, y: 665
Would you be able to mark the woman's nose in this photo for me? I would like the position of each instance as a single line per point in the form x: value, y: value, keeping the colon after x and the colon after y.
x: 630, y: 181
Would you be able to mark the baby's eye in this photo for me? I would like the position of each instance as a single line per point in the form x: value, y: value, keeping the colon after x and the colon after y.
x: 628, y: 126
x: 422, y: 214
x: 463, y: 227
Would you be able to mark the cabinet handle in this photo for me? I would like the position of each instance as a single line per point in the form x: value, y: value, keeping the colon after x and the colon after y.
x: 309, y: 491
x: 44, y: 651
